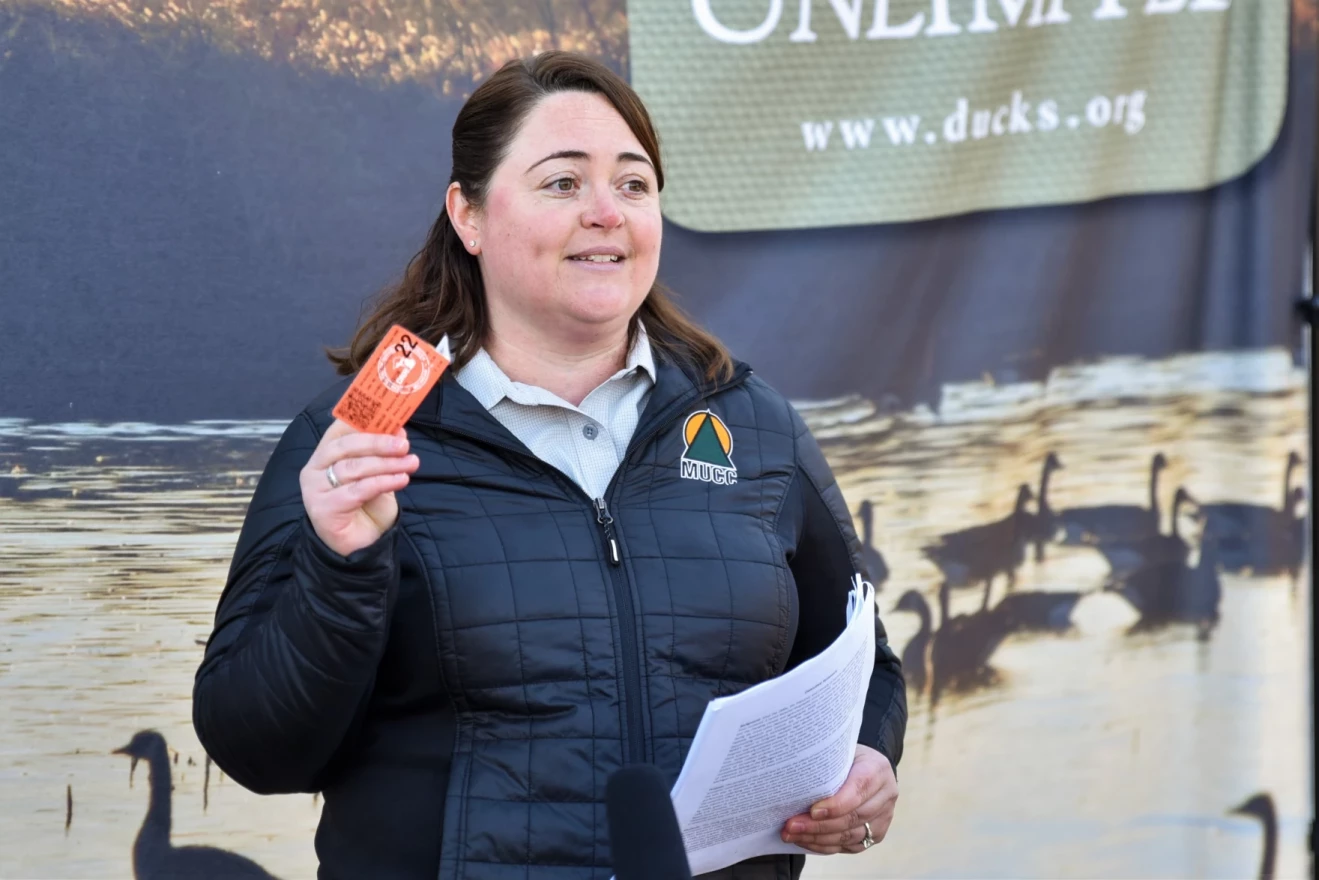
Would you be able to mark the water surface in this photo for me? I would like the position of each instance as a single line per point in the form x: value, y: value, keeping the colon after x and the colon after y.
x: 1096, y: 754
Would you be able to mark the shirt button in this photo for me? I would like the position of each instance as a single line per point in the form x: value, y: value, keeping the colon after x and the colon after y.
x: 590, y: 431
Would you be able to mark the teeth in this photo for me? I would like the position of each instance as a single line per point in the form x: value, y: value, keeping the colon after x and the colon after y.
x: 599, y: 258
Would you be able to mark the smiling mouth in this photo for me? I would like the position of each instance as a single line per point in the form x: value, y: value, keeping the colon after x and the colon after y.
x: 598, y: 258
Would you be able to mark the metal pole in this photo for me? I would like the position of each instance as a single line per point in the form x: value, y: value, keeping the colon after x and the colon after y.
x: 1309, y: 311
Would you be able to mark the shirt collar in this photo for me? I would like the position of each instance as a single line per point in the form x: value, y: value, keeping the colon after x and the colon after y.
x: 483, y: 378
x: 641, y: 357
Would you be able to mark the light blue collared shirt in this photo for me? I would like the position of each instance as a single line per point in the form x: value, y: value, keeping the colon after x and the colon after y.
x: 586, y: 442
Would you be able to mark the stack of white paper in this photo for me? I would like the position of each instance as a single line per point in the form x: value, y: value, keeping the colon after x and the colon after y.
x: 771, y: 751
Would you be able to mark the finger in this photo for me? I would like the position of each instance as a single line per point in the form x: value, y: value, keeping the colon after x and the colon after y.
x: 832, y: 838
x: 339, y: 428
x: 861, y: 784
x: 355, y: 445
x: 877, y: 810
x: 852, y: 848
x: 358, y: 445
x: 357, y: 494
x: 873, y: 813
x: 844, y: 811
x: 352, y: 496
x: 851, y: 841
x: 881, y: 817
x: 799, y: 822
x: 349, y: 470
x: 871, y: 776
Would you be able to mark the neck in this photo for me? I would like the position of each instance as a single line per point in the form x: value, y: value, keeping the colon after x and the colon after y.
x: 156, y: 828
x: 1044, y: 488
x: 1270, y: 855
x: 1287, y: 486
x: 1270, y: 848
x: 927, y: 625
x: 1154, y: 491
x: 570, y: 369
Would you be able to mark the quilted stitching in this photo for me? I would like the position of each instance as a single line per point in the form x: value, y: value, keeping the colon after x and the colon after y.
x: 526, y: 616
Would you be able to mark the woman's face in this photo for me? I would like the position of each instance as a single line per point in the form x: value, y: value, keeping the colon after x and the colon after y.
x: 569, y: 236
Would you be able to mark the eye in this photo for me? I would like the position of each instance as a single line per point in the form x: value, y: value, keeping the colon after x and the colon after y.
x: 637, y: 187
x: 563, y: 185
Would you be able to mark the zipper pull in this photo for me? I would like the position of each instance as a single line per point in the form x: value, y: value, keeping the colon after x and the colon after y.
x: 607, y: 524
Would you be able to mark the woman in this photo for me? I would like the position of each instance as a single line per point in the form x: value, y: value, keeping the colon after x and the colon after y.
x: 595, y: 523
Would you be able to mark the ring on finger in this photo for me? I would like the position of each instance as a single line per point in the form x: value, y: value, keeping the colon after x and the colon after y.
x: 869, y: 840
x: 334, y: 480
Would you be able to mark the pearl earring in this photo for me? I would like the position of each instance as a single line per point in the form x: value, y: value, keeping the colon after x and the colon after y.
x: 472, y: 242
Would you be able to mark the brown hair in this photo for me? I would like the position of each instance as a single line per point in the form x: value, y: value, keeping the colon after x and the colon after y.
x: 442, y: 292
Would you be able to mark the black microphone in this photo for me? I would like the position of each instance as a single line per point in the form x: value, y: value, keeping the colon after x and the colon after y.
x: 643, y: 829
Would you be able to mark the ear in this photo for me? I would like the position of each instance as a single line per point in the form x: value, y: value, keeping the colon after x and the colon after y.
x: 464, y: 216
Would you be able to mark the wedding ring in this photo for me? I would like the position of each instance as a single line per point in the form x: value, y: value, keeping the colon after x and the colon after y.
x: 869, y: 840
x: 329, y: 475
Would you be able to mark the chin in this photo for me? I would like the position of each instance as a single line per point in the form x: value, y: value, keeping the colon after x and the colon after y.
x: 603, y: 306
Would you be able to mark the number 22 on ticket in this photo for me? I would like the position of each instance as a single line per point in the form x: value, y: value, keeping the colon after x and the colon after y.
x: 392, y: 383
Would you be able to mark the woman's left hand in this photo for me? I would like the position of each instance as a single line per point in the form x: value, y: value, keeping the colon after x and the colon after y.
x: 837, y: 824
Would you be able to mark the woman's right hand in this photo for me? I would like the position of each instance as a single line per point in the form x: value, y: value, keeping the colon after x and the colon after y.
x: 369, y: 468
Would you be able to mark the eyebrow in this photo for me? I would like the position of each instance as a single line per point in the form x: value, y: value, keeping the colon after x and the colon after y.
x: 581, y: 154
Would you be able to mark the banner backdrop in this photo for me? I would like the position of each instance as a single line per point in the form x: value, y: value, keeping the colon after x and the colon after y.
x: 1026, y: 266
x: 940, y: 107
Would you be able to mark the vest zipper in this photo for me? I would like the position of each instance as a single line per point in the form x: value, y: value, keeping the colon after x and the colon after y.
x: 607, y: 526
x: 623, y: 599
x: 627, y: 635
x: 627, y: 623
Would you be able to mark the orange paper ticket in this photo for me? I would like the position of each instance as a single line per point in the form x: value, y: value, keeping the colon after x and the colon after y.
x: 392, y: 383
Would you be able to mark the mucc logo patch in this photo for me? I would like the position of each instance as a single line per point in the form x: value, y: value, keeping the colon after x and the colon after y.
x: 708, y: 456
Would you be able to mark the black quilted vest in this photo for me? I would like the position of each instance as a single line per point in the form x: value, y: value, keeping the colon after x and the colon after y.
x: 574, y: 637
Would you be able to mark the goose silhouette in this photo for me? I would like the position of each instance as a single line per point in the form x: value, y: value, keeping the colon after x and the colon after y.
x: 154, y: 857
x: 1116, y: 522
x: 977, y: 555
x: 876, y: 569
x: 916, y: 653
x: 1046, y: 523
x: 1170, y: 592
x: 1037, y: 611
x: 1125, y: 557
x: 1261, y: 807
x: 1258, y: 539
x: 955, y: 656
x: 960, y: 651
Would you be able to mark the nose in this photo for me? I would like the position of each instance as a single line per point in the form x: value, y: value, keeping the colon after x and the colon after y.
x: 601, y: 209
